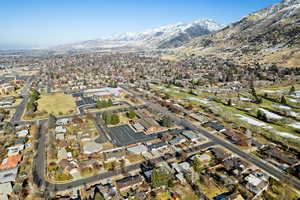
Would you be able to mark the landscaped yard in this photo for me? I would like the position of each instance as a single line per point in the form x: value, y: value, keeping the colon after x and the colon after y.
x: 59, y: 104
x: 185, y: 192
x: 212, y: 190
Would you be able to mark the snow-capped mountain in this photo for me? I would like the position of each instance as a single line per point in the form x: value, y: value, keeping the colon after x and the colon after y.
x: 270, y: 35
x: 162, y: 37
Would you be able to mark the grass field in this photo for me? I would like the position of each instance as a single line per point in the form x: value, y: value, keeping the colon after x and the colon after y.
x: 58, y: 104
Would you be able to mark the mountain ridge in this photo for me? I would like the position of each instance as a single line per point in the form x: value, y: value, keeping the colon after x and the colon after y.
x: 270, y: 35
x: 161, y: 37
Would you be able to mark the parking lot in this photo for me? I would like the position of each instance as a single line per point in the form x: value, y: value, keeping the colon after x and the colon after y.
x: 124, y: 135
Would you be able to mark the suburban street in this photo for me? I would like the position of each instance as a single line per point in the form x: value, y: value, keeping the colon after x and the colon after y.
x: 39, y: 166
x: 248, y: 157
x: 20, y: 108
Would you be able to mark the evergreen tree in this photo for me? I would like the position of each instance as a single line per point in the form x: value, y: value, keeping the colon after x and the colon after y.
x: 283, y: 100
x: 166, y: 122
x: 261, y: 115
x: 229, y: 103
x: 292, y: 90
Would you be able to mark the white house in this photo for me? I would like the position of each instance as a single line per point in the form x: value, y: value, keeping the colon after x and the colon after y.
x: 60, y: 129
x: 22, y: 133
x: 62, y: 122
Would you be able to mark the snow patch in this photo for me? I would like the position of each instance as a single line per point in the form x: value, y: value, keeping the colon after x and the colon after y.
x: 270, y: 114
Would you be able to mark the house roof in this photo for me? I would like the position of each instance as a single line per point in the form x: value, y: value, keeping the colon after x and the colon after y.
x: 219, y: 153
x: 282, y: 156
x: 8, y: 175
x: 21, y: 140
x: 190, y: 135
x: 22, y: 132
x: 215, y: 126
x: 62, y: 154
x: 253, y: 180
x: 10, y: 162
x: 60, y: 129
x: 176, y: 140
x: 128, y: 181
x: 137, y: 149
x: 60, y: 136
x: 138, y: 126
x: 157, y: 145
x: 62, y: 121
x: 148, y: 122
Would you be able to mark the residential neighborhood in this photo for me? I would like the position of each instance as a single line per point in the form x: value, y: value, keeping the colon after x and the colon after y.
x: 194, y: 110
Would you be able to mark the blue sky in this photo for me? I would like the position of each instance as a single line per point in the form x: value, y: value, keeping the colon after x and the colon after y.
x: 30, y: 23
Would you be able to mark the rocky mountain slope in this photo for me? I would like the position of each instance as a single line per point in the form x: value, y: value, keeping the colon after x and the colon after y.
x: 271, y: 35
x: 162, y: 37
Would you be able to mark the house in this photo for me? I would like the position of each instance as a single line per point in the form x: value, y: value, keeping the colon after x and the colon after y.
x: 183, y: 167
x: 257, y: 144
x: 157, y: 146
x: 11, y: 162
x: 8, y: 175
x: 59, y: 136
x: 190, y: 135
x: 198, y: 118
x: 219, y: 153
x: 6, y: 88
x: 62, y: 122
x: 62, y: 154
x: 21, y: 141
x: 115, y: 155
x: 281, y: 156
x: 104, y: 93
x: 237, y: 138
x: 234, y: 163
x: 129, y: 182
x: 22, y: 133
x: 60, y: 129
x: 215, y: 126
x: 5, y: 190
x: 138, y: 127
x: 149, y: 124
x: 203, y: 157
x: 177, y: 140
x: 91, y: 147
x: 107, y: 190
x: 15, y: 149
x: 255, y: 184
x: 137, y: 149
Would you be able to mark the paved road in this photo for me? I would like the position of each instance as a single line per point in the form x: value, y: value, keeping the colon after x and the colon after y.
x: 39, y: 166
x: 49, y: 84
x: 20, y: 108
x: 249, y: 157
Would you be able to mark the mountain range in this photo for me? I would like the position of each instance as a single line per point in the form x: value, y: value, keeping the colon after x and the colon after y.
x: 268, y: 36
x: 163, y: 37
x: 271, y: 35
